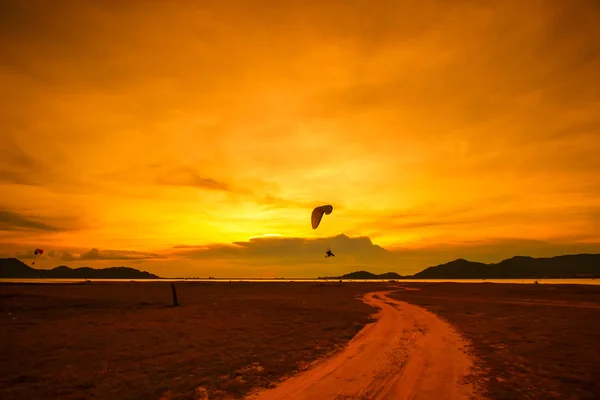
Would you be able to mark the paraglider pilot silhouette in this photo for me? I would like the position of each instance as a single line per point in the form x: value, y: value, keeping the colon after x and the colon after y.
x: 328, y: 253
x: 316, y: 217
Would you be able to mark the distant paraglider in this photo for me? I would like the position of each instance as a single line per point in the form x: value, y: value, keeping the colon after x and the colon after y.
x: 37, y: 252
x: 315, y: 219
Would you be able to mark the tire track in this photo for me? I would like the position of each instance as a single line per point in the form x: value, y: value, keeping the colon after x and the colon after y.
x: 408, y: 353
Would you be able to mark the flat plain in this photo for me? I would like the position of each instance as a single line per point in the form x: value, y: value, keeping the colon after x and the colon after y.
x: 126, y: 341
x: 227, y: 340
x: 532, y: 341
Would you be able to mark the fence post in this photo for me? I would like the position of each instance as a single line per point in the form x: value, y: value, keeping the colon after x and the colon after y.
x: 175, y: 302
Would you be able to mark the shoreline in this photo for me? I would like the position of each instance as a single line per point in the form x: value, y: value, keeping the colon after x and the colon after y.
x: 546, y: 281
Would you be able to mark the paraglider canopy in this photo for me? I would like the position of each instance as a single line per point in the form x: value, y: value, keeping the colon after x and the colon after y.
x: 38, y: 251
x: 317, y: 214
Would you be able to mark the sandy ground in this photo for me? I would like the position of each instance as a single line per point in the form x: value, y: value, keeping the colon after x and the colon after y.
x: 408, y: 353
x: 116, y: 340
x: 532, y: 342
x: 124, y: 341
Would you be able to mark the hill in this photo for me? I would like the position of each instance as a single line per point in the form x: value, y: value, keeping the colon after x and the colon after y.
x: 14, y: 268
x: 519, y: 267
x: 367, y: 275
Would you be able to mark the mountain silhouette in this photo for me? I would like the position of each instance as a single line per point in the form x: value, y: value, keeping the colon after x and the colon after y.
x: 14, y: 268
x: 367, y: 275
x: 518, y: 267
x: 567, y: 266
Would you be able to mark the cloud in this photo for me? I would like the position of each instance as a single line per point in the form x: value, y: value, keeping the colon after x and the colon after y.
x: 529, y: 213
x: 185, y: 175
x: 17, y: 177
x: 10, y: 220
x: 96, y: 255
x: 67, y: 256
x: 305, y: 256
x: 27, y: 255
x: 385, y: 108
x: 18, y: 167
x: 274, y: 202
x: 178, y: 175
x: 167, y: 174
x: 289, y: 251
x: 23, y: 163
x: 91, y: 255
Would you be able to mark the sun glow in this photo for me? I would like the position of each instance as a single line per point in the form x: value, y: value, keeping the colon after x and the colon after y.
x: 155, y: 125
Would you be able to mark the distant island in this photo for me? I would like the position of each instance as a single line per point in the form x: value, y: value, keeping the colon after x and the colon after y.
x: 14, y: 268
x: 368, y: 275
x: 519, y: 267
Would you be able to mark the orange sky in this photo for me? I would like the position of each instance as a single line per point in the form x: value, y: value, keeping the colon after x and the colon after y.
x: 157, y: 133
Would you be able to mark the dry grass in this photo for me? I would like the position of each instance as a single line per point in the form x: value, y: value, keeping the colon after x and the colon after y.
x: 123, y: 340
x: 533, y: 342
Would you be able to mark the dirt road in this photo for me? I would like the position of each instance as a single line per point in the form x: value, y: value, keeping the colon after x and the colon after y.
x: 408, y: 353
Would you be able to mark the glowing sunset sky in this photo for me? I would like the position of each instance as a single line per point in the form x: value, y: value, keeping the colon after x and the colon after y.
x: 154, y: 134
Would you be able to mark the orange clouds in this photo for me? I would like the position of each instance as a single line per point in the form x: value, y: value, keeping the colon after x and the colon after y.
x: 139, y: 126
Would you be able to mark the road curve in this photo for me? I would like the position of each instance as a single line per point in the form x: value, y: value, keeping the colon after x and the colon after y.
x: 408, y: 353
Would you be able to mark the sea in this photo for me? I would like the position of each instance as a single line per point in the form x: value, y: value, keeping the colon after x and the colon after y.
x: 519, y: 281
